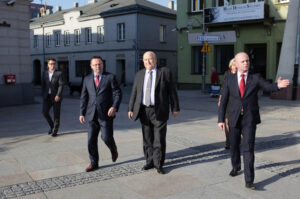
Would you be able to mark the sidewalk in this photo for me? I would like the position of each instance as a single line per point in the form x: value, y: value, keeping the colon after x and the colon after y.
x: 35, y: 165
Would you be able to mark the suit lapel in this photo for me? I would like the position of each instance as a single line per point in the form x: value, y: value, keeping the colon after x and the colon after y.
x: 158, y: 75
x: 248, y: 84
x: 101, y: 82
x: 236, y: 85
x: 91, y: 82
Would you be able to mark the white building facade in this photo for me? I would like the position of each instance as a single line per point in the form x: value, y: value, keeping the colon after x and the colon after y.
x: 118, y: 31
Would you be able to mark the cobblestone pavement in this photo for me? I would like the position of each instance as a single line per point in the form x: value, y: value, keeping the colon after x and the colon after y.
x: 33, y: 163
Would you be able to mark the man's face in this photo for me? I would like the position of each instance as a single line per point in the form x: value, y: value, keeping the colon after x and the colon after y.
x: 51, y: 66
x: 97, y: 65
x: 149, y: 60
x: 242, y: 62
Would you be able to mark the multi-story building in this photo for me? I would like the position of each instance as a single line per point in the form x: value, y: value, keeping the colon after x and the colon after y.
x: 118, y: 31
x: 15, y: 67
x: 229, y: 26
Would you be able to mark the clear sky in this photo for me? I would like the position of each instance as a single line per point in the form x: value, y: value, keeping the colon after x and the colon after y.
x: 65, y: 4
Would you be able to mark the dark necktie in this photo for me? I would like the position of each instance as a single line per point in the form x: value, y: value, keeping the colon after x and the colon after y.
x: 242, y: 85
x: 97, y: 80
x: 148, y: 89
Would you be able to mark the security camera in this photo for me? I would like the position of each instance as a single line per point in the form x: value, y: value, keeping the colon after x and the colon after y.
x: 10, y: 2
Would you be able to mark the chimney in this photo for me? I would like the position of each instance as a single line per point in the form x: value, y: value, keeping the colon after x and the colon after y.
x: 58, y: 8
x: 171, y: 5
x: 92, y: 1
x: 75, y: 4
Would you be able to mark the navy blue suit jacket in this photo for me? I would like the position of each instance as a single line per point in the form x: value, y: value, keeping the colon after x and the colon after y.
x: 231, y: 99
x: 106, y: 95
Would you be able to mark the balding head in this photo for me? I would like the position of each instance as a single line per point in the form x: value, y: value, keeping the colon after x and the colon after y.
x: 242, y: 62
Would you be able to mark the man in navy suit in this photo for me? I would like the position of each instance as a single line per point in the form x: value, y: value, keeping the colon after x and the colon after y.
x: 239, y: 95
x: 100, y: 100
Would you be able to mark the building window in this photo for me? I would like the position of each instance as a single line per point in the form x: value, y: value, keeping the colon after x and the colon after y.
x: 100, y: 34
x: 57, y: 38
x: 77, y: 37
x: 48, y: 40
x: 121, y: 31
x: 67, y: 38
x: 197, y: 60
x: 82, y: 68
x: 162, y: 33
x: 250, y: 1
x: 35, y: 41
x: 284, y: 1
x: 223, y: 2
x: 197, y: 5
x: 88, y: 35
x: 224, y: 54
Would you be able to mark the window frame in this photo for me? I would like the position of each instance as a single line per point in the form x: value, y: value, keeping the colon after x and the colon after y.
x: 48, y: 40
x: 199, y: 5
x: 77, y: 37
x: 57, y: 38
x: 100, y: 34
x: 121, y: 32
x: 88, y: 35
x: 67, y: 38
x: 35, y: 41
x: 162, y: 33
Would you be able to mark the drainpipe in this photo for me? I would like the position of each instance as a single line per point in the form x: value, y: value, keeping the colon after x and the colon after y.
x: 296, y: 65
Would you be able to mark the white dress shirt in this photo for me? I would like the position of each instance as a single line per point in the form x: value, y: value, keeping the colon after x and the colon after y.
x: 152, y: 100
x: 50, y: 78
x: 239, y: 77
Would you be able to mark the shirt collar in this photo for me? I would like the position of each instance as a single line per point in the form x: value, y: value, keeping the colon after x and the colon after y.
x: 153, y: 70
x: 245, y: 74
x: 100, y: 74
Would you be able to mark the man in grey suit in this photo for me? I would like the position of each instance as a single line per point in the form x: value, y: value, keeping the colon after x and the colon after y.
x: 152, y: 94
x: 52, y: 88
x: 239, y: 96
x: 100, y: 100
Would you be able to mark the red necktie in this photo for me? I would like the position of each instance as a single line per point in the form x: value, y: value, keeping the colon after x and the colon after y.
x: 242, y: 85
x: 97, y: 80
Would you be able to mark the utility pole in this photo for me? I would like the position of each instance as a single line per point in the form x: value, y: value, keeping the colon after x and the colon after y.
x: 296, y: 65
x: 204, y: 54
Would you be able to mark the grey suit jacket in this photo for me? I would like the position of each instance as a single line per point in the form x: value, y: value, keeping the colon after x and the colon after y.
x: 56, y: 84
x: 231, y: 99
x: 165, y: 94
x: 107, y: 95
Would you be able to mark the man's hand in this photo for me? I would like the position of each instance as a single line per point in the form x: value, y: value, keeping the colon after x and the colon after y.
x: 175, y: 113
x: 221, y: 125
x: 130, y: 114
x: 81, y: 119
x: 57, y: 98
x: 282, y: 83
x: 111, y: 112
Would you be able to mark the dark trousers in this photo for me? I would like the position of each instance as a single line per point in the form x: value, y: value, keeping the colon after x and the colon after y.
x: 47, y: 104
x: 248, y: 142
x: 106, y: 127
x: 154, y: 137
x: 227, y: 133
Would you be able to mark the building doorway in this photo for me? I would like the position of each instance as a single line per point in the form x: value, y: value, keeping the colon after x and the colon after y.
x: 37, y: 72
x: 121, y: 72
x: 64, y: 67
x: 258, y: 58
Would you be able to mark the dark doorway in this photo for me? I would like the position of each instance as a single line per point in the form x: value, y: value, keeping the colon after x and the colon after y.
x: 37, y: 72
x: 258, y: 58
x: 64, y: 67
x: 121, y: 72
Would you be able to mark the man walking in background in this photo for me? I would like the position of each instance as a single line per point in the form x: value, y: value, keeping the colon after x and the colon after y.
x: 52, y: 88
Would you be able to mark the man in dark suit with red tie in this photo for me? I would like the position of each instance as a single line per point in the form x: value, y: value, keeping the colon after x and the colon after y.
x: 152, y: 94
x: 239, y: 95
x: 52, y: 88
x: 100, y: 100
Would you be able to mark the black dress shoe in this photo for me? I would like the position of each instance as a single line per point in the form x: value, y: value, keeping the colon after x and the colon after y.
x: 54, y: 134
x: 160, y: 170
x: 114, y: 155
x: 148, y: 166
x: 234, y: 172
x: 50, y: 131
x: 250, y: 185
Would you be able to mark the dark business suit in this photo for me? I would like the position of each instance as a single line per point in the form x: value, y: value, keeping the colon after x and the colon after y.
x: 56, y: 86
x: 243, y: 122
x: 154, y: 119
x: 94, y: 105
